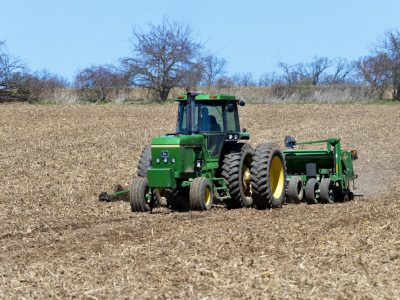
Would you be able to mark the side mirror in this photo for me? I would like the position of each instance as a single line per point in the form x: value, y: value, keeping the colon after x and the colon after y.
x: 242, y: 103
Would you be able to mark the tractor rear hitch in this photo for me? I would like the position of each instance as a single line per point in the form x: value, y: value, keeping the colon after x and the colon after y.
x: 106, y: 197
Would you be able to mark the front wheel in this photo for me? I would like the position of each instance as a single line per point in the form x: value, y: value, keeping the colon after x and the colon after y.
x: 201, y: 194
x: 138, y: 195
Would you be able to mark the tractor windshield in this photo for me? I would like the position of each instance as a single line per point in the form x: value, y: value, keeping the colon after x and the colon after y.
x: 210, y: 116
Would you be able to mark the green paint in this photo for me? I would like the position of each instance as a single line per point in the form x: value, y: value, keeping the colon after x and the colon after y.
x: 161, y: 178
x: 209, y: 97
x: 332, y: 162
x: 196, y: 147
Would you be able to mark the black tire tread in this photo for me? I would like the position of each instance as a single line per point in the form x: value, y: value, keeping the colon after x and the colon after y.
x: 231, y: 169
x: 137, y: 191
x: 260, y: 176
x: 325, y: 187
x: 144, y: 162
x: 196, y: 194
x: 309, y: 191
x: 292, y: 194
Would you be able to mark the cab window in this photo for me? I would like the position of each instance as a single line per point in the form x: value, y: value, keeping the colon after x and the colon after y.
x: 209, y: 117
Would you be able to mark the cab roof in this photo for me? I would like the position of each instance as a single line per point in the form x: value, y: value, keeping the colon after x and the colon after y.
x: 211, y: 97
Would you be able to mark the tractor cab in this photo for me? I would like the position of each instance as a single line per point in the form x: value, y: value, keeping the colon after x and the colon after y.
x: 214, y: 116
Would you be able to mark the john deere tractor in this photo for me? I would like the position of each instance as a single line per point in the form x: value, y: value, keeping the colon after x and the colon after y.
x: 207, y: 160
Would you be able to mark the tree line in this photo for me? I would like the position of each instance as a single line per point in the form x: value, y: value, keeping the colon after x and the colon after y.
x: 166, y: 56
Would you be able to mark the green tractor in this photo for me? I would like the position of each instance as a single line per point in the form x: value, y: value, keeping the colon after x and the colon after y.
x: 207, y: 160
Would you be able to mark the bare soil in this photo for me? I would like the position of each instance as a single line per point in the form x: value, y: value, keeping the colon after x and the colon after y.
x: 57, y: 240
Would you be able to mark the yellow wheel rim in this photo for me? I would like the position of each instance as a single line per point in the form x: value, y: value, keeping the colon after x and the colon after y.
x: 207, y: 196
x: 276, y: 177
x: 246, y: 180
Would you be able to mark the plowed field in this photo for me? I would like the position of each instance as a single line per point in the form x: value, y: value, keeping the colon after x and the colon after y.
x: 58, y: 241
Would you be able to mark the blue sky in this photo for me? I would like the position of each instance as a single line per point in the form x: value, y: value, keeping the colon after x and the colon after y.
x: 253, y: 35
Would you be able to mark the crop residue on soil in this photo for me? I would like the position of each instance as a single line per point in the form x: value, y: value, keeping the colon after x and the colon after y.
x: 57, y: 240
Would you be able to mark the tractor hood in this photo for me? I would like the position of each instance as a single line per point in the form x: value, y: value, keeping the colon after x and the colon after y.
x: 173, y: 158
x: 178, y: 139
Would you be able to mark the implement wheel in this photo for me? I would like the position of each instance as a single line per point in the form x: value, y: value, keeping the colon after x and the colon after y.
x: 236, y: 171
x: 137, y: 195
x: 326, y: 194
x: 295, y: 190
x: 201, y: 194
x: 311, y: 191
x: 268, y: 176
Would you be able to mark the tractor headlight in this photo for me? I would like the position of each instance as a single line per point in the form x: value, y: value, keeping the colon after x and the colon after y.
x: 165, y: 160
x: 173, y: 160
x: 230, y: 136
x: 158, y: 160
x: 236, y: 136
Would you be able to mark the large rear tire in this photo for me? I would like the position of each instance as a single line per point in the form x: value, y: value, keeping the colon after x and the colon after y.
x: 201, y: 194
x: 137, y: 195
x: 295, y: 192
x: 268, y: 176
x: 236, y: 172
x: 311, y: 191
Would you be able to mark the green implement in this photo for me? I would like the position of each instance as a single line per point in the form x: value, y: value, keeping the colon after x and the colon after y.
x: 319, y: 175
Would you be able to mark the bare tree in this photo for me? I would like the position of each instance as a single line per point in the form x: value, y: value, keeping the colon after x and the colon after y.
x: 391, y: 47
x: 269, y: 79
x: 305, y: 73
x: 313, y: 71
x: 381, y: 69
x: 97, y: 83
x: 343, y: 69
x: 214, y: 69
x: 165, y: 57
x: 243, y: 79
x: 17, y: 83
x: 8, y: 66
x: 289, y: 74
x: 376, y: 71
x: 38, y: 85
x: 224, y: 82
